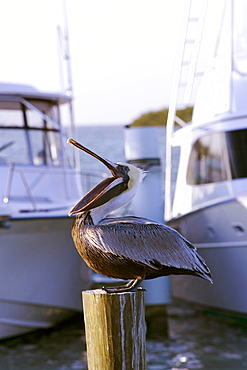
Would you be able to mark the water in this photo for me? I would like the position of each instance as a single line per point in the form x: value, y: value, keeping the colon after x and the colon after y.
x: 109, y: 143
x: 195, y: 340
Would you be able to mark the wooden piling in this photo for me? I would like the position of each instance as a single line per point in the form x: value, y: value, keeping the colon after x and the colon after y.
x: 115, y: 330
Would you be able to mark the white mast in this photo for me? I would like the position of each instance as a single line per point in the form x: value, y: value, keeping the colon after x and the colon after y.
x: 65, y: 70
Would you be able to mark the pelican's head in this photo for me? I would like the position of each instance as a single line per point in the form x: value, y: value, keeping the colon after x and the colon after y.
x: 112, y: 192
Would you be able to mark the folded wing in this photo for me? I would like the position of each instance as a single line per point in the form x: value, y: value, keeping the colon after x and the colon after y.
x: 146, y: 242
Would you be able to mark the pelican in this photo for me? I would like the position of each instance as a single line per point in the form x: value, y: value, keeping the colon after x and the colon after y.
x: 128, y: 248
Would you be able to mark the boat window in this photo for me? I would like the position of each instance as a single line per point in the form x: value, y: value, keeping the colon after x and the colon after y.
x: 218, y: 157
x: 237, y: 149
x: 46, y: 147
x: 13, y: 118
x: 13, y: 147
x: 53, y: 113
x: 208, y: 162
x: 29, y: 146
x: 34, y: 119
x: 27, y: 138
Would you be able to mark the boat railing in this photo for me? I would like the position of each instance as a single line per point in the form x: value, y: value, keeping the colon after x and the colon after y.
x: 89, y: 179
x: 7, y: 193
x: 186, y: 72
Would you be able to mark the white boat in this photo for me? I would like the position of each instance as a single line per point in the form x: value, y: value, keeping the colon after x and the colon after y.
x: 209, y: 204
x: 41, y: 273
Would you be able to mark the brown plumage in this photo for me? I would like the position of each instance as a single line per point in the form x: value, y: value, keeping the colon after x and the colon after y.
x: 129, y: 248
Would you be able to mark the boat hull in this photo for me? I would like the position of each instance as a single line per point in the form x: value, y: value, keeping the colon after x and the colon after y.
x: 41, y: 274
x: 220, y: 235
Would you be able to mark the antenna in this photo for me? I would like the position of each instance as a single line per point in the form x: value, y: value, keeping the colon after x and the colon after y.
x: 64, y: 54
x: 65, y: 69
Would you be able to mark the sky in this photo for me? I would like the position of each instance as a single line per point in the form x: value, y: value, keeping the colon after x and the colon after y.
x: 122, y: 53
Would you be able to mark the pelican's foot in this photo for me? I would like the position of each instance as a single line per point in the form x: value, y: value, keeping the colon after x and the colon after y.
x: 131, y: 286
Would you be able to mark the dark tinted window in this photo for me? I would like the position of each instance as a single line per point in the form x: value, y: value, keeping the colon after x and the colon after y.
x: 237, y: 151
x: 217, y: 157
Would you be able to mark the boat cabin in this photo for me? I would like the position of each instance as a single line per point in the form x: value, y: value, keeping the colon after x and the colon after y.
x: 38, y: 169
x: 30, y: 124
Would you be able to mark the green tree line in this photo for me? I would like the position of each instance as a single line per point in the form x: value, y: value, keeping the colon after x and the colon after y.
x: 159, y: 118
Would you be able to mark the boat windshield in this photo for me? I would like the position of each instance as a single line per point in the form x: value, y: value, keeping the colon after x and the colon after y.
x: 27, y: 136
x: 237, y: 151
x: 217, y: 157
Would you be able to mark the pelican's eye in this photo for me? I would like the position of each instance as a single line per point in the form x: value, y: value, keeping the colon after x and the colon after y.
x: 122, y: 168
x: 122, y: 171
x: 126, y: 168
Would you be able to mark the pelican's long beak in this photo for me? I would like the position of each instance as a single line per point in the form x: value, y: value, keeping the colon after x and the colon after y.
x: 107, y: 188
